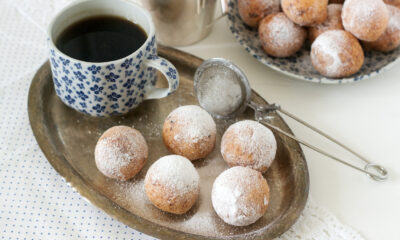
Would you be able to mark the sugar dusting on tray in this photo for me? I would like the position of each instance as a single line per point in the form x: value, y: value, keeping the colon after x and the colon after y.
x: 201, y: 219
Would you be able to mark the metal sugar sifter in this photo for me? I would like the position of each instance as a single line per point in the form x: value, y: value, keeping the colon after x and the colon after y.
x: 223, y: 90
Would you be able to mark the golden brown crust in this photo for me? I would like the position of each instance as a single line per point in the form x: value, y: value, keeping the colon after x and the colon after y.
x: 390, y: 39
x: 393, y: 2
x: 242, y: 158
x: 336, y: 1
x: 336, y: 54
x: 257, y: 194
x: 366, y: 20
x: 252, y: 11
x: 190, y: 148
x: 248, y: 144
x: 116, y: 138
x: 332, y: 22
x: 279, y: 36
x: 168, y: 200
x: 305, y: 12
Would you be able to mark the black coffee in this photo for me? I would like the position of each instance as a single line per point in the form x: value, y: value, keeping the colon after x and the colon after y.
x: 101, y: 39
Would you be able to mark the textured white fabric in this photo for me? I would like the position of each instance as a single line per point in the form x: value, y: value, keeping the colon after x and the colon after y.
x: 35, y: 202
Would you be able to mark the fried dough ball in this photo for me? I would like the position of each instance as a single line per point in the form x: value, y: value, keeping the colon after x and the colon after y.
x: 279, y: 36
x: 121, y: 152
x: 252, y: 11
x: 172, y: 184
x: 336, y: 53
x: 250, y: 144
x: 306, y: 12
x: 365, y: 19
x: 393, y: 2
x: 189, y: 131
x: 240, y: 196
x: 390, y: 39
x: 333, y: 22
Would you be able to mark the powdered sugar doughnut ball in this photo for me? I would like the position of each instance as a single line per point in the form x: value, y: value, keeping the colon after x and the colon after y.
x: 279, y: 36
x: 336, y: 53
x: 305, y: 13
x: 172, y: 184
x: 250, y: 144
x: 240, y: 196
x: 332, y: 22
x: 390, y: 39
x: 365, y: 19
x: 121, y: 152
x: 393, y: 2
x: 189, y: 131
x: 252, y: 11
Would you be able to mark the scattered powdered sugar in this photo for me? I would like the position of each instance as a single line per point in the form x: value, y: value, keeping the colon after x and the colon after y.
x: 330, y: 45
x: 174, y: 172
x: 204, y: 220
x: 230, y: 196
x: 221, y: 93
x: 201, y: 219
x: 152, y: 130
x: 255, y: 139
x: 130, y: 191
x: 196, y: 123
x: 282, y: 31
x: 117, y: 150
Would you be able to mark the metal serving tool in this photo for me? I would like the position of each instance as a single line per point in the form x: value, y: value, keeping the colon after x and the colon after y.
x: 224, y: 71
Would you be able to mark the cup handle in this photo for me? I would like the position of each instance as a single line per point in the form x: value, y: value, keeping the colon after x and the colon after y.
x: 170, y: 73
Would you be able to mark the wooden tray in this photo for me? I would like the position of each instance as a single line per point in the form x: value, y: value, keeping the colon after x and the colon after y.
x: 67, y: 138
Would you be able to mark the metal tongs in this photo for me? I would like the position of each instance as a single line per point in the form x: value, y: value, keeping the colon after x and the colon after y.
x: 215, y: 66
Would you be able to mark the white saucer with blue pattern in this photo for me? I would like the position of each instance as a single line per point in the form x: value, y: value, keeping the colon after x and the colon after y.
x: 299, y: 66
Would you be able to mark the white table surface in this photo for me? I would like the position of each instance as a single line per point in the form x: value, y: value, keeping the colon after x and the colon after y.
x: 364, y: 115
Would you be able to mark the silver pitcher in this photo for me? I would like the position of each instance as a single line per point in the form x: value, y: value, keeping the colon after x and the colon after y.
x: 181, y: 22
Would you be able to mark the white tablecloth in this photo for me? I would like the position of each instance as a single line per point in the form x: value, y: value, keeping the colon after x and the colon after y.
x: 36, y: 203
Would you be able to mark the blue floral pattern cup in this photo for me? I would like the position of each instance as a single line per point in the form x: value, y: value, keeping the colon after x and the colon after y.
x: 115, y: 87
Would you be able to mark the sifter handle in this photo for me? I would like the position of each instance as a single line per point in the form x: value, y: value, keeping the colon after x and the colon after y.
x: 381, y: 173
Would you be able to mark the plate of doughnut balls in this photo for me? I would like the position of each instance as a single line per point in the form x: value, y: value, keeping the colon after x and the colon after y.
x: 240, y: 194
x: 323, y: 41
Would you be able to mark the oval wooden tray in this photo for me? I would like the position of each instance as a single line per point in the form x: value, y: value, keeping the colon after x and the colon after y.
x: 67, y: 138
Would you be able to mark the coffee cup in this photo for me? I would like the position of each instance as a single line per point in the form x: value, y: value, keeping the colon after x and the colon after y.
x: 108, y: 87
